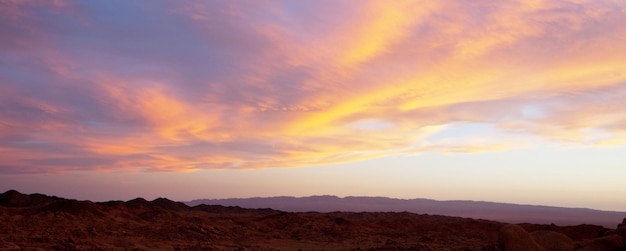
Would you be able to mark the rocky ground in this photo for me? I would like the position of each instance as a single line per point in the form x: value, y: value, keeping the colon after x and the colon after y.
x: 40, y: 222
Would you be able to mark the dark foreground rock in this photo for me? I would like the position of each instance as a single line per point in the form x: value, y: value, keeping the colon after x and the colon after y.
x: 39, y: 222
x: 516, y: 238
x: 553, y: 241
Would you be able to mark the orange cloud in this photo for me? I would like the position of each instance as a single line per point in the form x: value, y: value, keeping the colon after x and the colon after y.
x: 270, y: 84
x: 382, y: 25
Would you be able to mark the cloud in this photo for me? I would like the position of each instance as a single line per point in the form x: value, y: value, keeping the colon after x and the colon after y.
x: 590, y: 117
x: 187, y: 85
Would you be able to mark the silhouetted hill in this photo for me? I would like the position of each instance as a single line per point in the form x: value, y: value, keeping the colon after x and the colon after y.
x: 511, y: 213
x: 138, y: 202
x: 14, y: 198
x: 167, y: 204
x: 71, y: 207
x: 41, y: 222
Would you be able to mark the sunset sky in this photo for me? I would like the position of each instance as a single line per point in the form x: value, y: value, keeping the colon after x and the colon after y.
x: 509, y: 101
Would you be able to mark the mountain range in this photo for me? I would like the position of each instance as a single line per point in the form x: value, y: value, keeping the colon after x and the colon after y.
x: 502, y: 212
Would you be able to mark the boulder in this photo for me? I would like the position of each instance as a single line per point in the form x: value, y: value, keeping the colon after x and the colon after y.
x: 515, y: 238
x: 621, y: 231
x: 553, y: 241
x: 607, y: 243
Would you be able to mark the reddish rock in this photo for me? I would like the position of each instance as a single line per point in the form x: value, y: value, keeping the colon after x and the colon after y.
x: 621, y: 231
x: 40, y: 222
x: 553, y: 241
x: 7, y: 246
x: 515, y: 238
x: 607, y: 243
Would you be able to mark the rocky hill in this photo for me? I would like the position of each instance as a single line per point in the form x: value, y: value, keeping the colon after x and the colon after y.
x: 40, y: 222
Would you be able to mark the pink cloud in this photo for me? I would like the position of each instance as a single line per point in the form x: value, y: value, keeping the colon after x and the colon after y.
x: 191, y: 85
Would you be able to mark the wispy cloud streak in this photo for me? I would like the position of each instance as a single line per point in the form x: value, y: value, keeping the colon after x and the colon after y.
x: 188, y: 85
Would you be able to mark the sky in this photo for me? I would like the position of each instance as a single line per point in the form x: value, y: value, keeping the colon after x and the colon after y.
x: 518, y: 101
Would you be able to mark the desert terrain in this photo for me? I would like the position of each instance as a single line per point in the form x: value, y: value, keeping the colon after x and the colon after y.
x: 42, y: 222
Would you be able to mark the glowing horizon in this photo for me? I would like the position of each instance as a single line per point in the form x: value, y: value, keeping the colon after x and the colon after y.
x: 184, y: 88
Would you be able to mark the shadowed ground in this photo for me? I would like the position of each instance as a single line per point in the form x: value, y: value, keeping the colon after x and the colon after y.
x: 52, y: 223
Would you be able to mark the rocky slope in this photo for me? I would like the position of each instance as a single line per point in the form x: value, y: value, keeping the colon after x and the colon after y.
x: 40, y: 222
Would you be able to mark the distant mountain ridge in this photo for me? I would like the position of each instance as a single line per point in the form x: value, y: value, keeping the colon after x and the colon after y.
x: 503, y: 212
